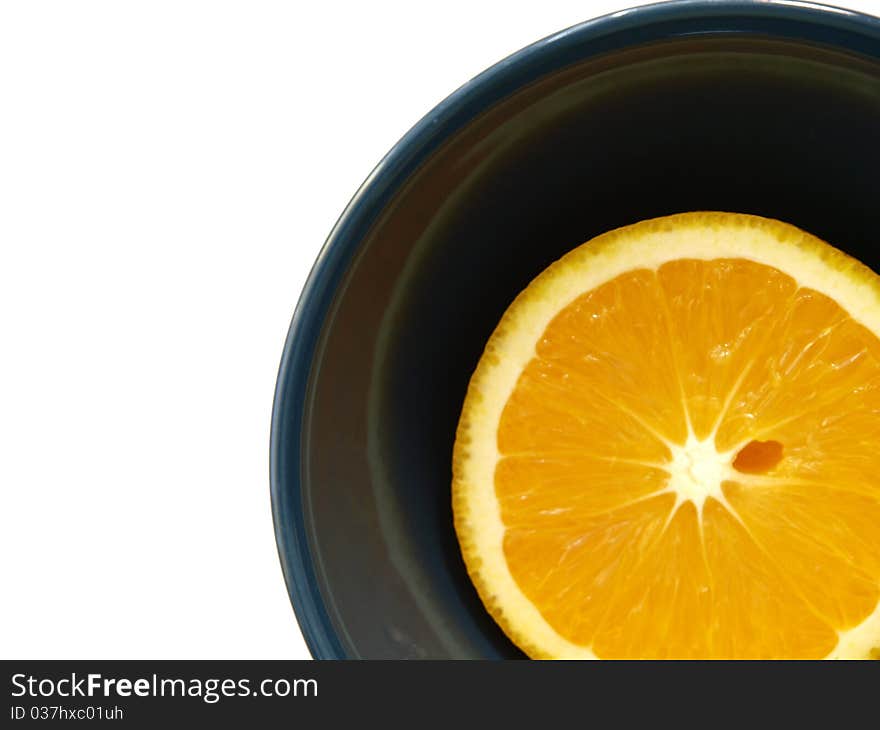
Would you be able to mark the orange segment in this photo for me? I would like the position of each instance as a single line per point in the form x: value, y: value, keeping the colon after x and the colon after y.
x: 574, y: 414
x: 836, y: 567
x: 667, y: 593
x: 819, y: 363
x: 531, y: 489
x: 590, y: 562
x: 722, y: 314
x: 594, y: 348
x: 764, y: 617
x: 668, y: 449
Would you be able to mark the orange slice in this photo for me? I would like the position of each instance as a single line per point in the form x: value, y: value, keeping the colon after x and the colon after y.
x: 670, y: 449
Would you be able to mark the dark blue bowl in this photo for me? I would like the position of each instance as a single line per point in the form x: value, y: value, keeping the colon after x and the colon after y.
x: 770, y: 108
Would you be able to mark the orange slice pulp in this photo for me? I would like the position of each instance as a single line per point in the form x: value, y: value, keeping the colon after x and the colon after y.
x: 669, y: 449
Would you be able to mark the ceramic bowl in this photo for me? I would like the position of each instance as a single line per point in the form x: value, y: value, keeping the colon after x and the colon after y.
x: 770, y: 108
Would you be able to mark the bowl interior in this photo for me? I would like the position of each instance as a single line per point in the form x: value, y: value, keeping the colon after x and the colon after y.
x: 772, y: 127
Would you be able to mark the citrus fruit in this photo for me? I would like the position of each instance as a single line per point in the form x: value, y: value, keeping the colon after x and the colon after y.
x: 669, y: 449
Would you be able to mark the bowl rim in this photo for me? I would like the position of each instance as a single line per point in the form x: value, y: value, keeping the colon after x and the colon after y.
x: 794, y: 19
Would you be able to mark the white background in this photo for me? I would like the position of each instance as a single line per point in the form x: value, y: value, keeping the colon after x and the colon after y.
x: 168, y: 172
